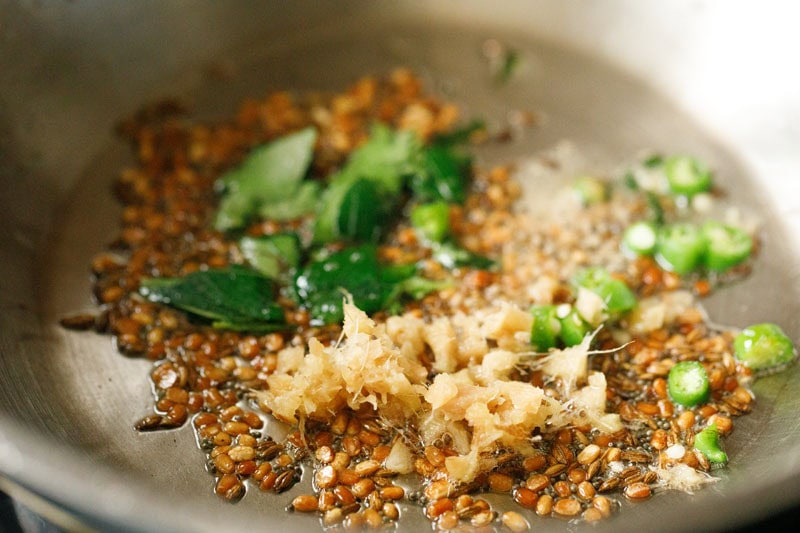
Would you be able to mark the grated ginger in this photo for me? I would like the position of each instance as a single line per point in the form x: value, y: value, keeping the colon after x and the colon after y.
x: 364, y: 368
x: 683, y: 477
x: 472, y: 400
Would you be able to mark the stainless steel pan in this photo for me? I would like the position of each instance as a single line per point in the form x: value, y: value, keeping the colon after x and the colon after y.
x: 716, y: 79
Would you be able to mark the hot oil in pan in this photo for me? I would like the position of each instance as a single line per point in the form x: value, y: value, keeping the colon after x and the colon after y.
x: 607, y: 115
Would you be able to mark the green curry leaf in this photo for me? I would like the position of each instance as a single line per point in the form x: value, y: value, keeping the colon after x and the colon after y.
x: 235, y: 295
x: 450, y: 255
x: 321, y: 286
x: 442, y: 176
x: 274, y: 256
x: 269, y: 182
x: 362, y: 196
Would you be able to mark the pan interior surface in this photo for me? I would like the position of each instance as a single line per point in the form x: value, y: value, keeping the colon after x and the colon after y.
x: 79, y: 398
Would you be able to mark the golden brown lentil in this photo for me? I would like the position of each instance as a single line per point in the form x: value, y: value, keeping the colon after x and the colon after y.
x: 482, y: 518
x: 435, y: 508
x: 567, y: 507
x: 589, y: 454
x: 367, y: 467
x: 592, y: 515
x: 390, y: 511
x: 602, y: 504
x: 525, y: 497
x: 245, y: 468
x: 447, y: 520
x: 576, y: 475
x: 514, y: 521
x: 332, y: 516
x: 392, y: 492
x: 537, y: 482
x: 500, y: 482
x: 305, y: 503
x: 354, y: 521
x: 534, y: 463
x: 545, y: 505
x: 344, y: 495
x: 372, y: 518
x: 586, y: 490
x: 562, y: 489
x: 326, y: 477
x: 438, y: 489
x: 637, y: 491
x: 350, y: 478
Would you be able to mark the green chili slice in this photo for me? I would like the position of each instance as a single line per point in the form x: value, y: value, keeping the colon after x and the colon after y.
x: 573, y: 327
x: 707, y: 443
x: 640, y: 238
x: 727, y: 246
x: 614, y: 292
x: 681, y: 247
x: 762, y: 346
x: 591, y: 190
x: 688, y: 383
x: 432, y: 220
x: 546, y: 327
x: 686, y: 175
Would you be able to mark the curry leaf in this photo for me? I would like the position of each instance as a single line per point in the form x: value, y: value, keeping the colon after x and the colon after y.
x: 303, y: 200
x: 442, y: 176
x: 269, y: 181
x: 274, y: 256
x: 235, y: 295
x: 450, y: 255
x: 251, y: 327
x: 415, y: 288
x: 461, y: 135
x: 321, y: 285
x: 386, y: 158
x: 361, y: 212
x: 360, y: 197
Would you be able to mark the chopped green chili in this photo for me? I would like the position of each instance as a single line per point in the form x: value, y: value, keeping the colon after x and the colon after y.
x: 707, y: 443
x: 573, y: 327
x: 686, y: 175
x: 590, y: 190
x: 763, y: 346
x: 687, y: 383
x: 432, y: 220
x: 640, y: 238
x: 681, y: 247
x: 546, y: 327
x: 727, y: 246
x: 614, y: 292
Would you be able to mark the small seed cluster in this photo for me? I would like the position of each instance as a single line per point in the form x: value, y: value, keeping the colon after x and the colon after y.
x: 554, y: 484
x: 351, y: 485
x: 205, y: 376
